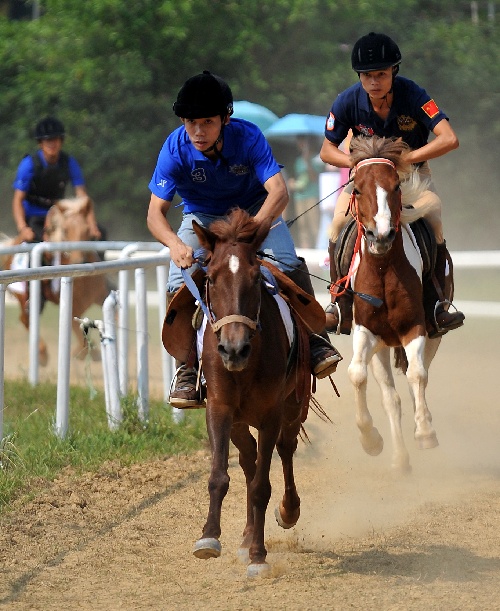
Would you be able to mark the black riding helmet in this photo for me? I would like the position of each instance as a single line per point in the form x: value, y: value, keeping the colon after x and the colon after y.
x: 49, y: 128
x: 204, y: 95
x: 375, y: 52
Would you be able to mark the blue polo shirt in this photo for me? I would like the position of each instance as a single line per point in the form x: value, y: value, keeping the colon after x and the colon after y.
x: 215, y: 187
x: 25, y: 173
x: 413, y: 115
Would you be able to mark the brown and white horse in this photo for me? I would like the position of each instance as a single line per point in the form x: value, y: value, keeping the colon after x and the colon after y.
x: 67, y: 221
x: 389, y: 267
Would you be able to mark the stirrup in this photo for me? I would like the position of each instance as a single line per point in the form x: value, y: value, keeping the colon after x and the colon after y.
x: 198, y: 390
x: 333, y: 308
x: 437, y: 330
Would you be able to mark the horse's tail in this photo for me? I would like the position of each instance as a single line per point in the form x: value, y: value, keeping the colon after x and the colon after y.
x: 400, y: 360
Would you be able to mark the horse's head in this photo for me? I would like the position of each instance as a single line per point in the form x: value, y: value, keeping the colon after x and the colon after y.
x: 233, y: 286
x: 376, y: 195
x: 67, y: 221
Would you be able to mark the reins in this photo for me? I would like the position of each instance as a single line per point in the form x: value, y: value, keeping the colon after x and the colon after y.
x: 292, y: 221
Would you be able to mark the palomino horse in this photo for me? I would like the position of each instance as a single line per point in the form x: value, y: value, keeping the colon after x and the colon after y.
x: 67, y: 221
x: 389, y: 266
x: 244, y: 360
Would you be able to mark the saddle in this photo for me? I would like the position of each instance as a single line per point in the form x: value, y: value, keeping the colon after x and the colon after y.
x: 424, y: 237
x: 179, y: 326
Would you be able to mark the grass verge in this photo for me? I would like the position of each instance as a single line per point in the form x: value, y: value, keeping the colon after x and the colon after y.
x: 30, y: 453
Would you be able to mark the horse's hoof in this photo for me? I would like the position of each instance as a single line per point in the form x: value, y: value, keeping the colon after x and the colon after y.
x: 207, y: 548
x: 279, y: 519
x: 43, y: 359
x: 401, y: 469
x: 243, y: 555
x: 372, y: 442
x: 259, y: 570
x: 427, y: 442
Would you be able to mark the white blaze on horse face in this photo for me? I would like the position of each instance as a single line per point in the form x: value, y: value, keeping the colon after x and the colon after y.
x: 383, y: 216
x: 234, y: 264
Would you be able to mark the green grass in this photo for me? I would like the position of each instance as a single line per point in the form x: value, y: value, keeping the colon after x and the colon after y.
x: 31, y: 455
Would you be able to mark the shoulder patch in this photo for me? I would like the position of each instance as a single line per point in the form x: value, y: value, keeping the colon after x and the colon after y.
x: 431, y: 109
x: 330, y: 122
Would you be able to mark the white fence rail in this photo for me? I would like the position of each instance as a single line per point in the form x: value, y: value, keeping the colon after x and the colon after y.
x: 123, y: 264
x: 67, y: 273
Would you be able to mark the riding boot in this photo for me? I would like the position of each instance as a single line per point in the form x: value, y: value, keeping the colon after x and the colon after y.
x: 324, y: 356
x: 437, y: 298
x: 339, y: 311
x: 187, y: 392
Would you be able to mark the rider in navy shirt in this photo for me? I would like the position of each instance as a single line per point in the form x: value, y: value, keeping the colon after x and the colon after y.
x: 387, y: 105
x: 216, y: 163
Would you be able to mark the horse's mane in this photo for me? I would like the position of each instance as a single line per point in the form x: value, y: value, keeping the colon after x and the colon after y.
x: 237, y: 226
x: 412, y: 183
x: 363, y: 147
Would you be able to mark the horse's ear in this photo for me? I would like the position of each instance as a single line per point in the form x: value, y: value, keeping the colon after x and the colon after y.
x: 262, y: 231
x: 206, y: 237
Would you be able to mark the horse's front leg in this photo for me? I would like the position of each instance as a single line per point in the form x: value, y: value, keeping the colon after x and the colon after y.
x: 260, y: 493
x: 381, y: 367
x: 416, y: 374
x: 247, y: 446
x: 43, y: 354
x: 364, y: 344
x: 288, y: 512
x: 219, y: 421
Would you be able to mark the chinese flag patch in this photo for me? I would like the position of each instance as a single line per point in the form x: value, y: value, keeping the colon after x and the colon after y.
x: 430, y: 108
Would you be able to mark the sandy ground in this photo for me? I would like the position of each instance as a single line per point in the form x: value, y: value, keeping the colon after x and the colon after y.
x: 122, y: 539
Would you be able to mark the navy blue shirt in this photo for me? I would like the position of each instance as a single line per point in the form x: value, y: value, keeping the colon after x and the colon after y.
x: 215, y: 188
x: 413, y: 115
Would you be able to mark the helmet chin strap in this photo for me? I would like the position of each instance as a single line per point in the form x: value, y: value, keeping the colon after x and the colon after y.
x: 214, y: 146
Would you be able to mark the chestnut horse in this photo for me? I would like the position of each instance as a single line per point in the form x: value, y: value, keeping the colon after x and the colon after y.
x: 249, y: 384
x: 66, y: 221
x: 389, y: 266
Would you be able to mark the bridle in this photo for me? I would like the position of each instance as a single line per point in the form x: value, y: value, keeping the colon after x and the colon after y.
x: 353, y: 204
x: 217, y: 325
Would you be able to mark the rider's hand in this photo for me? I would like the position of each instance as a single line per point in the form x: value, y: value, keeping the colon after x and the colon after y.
x: 95, y: 232
x: 26, y: 234
x: 182, y: 255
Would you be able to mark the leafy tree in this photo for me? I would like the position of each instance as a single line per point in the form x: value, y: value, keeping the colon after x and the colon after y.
x: 111, y: 70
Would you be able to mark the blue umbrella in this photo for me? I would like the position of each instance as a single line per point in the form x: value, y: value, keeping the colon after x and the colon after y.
x: 260, y: 115
x: 297, y: 125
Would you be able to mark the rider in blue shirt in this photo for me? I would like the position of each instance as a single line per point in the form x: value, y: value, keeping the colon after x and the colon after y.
x: 41, y: 180
x: 216, y: 163
x: 385, y: 104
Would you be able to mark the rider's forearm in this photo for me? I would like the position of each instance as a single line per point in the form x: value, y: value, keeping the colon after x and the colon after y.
x: 331, y: 154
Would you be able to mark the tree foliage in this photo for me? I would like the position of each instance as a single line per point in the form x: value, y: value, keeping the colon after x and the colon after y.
x: 110, y: 71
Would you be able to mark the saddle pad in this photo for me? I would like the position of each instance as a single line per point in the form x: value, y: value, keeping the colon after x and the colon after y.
x: 178, y: 335
x: 426, y: 242
x: 21, y: 260
x: 424, y: 237
x: 305, y: 305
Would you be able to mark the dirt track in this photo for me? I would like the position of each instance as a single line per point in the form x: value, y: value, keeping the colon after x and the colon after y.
x: 122, y: 539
